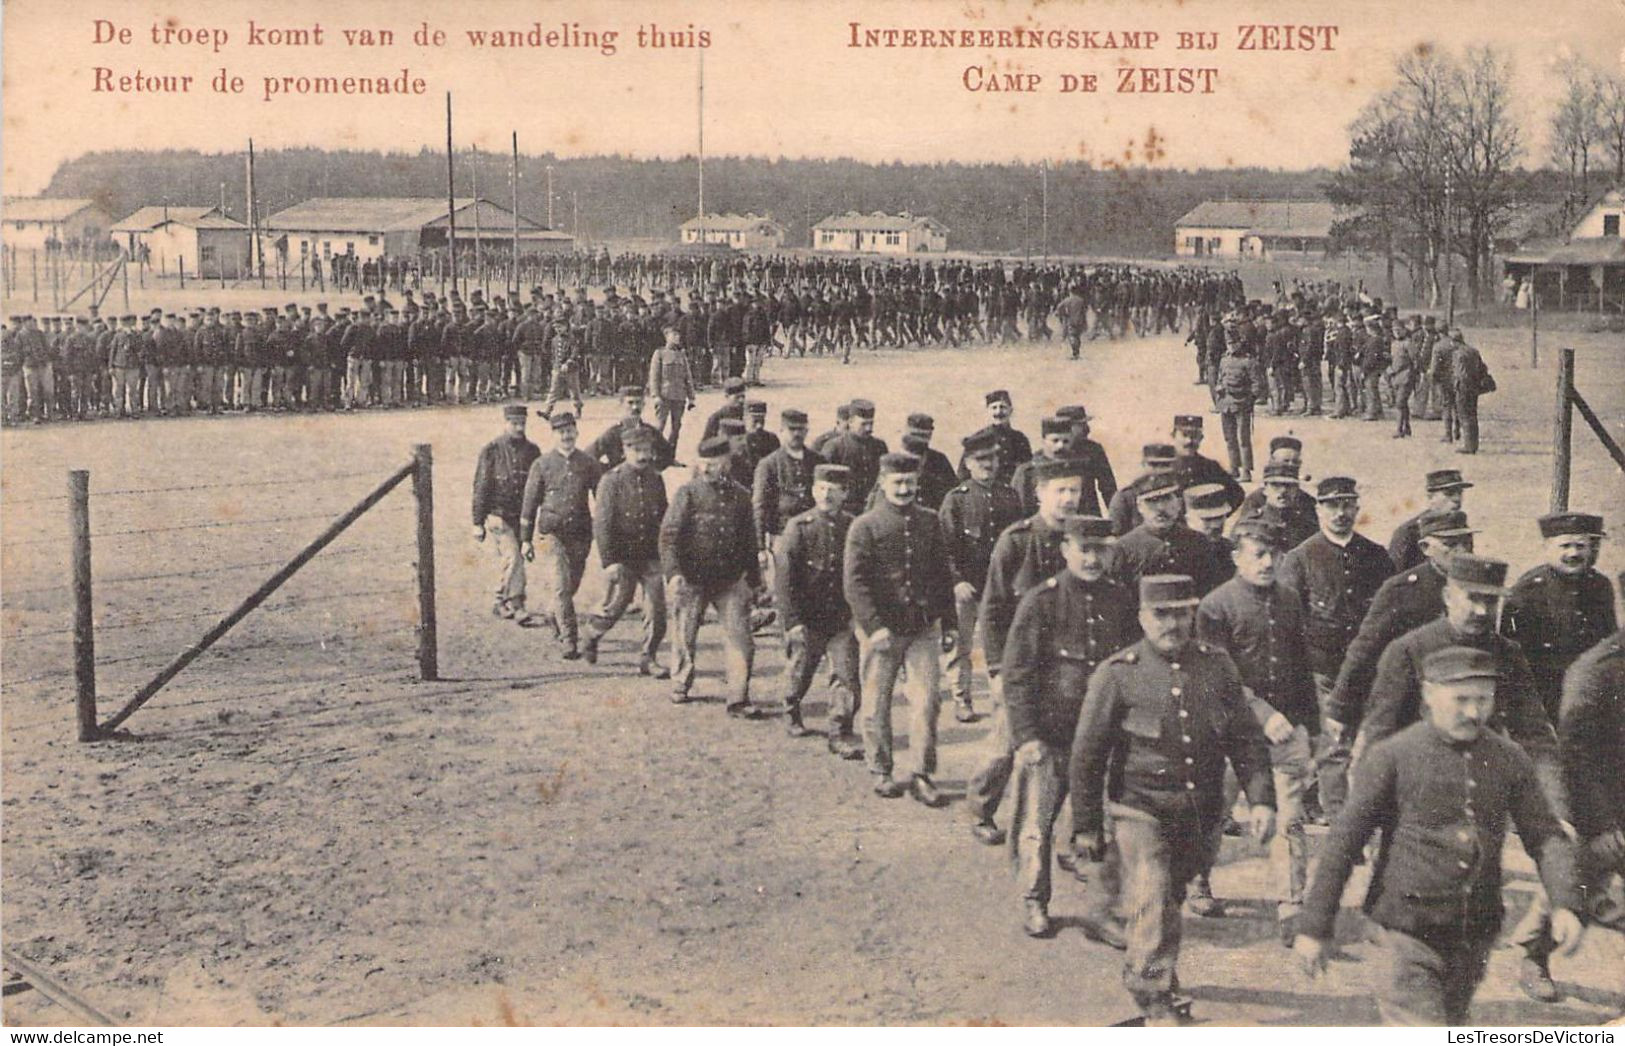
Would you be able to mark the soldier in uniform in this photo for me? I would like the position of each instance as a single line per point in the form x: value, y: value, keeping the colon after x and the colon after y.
x: 556, y: 509
x: 1163, y: 544
x: 782, y: 485
x: 1238, y: 386
x: 1191, y: 468
x: 809, y: 564
x: 973, y: 516
x: 1025, y: 554
x: 937, y: 476
x: 1205, y: 505
x: 1158, y: 461
x: 758, y: 442
x: 897, y: 583
x: 708, y: 553
x: 1063, y: 629
x: 843, y: 421
x: 1014, y: 447
x: 1442, y: 373
x: 860, y: 451
x: 1056, y: 437
x: 631, y: 502
x: 671, y: 384
x: 1442, y: 791
x: 1285, y: 505
x: 608, y: 448
x: 1562, y: 608
x: 733, y: 407
x: 568, y: 362
x: 1445, y: 488
x: 1158, y: 724
x: 499, y: 487
x: 1335, y: 574
x: 1472, y: 377
x: 1099, y: 482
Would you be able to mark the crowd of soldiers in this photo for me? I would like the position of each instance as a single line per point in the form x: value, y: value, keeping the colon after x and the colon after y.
x: 1143, y: 646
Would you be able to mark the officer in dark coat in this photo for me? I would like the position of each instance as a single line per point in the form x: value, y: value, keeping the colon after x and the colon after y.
x: 1157, y: 459
x: 807, y: 576
x: 1284, y: 450
x: 782, y: 486
x: 1056, y: 441
x: 1442, y: 791
x: 607, y: 448
x: 1014, y: 446
x: 1063, y: 629
x: 937, y: 476
x: 1284, y: 505
x: 860, y: 451
x: 1564, y: 607
x: 1192, y: 468
x: 1099, y: 482
x: 631, y: 502
x: 759, y: 442
x: 1163, y: 544
x: 499, y: 493
x: 1445, y: 488
x: 1158, y: 724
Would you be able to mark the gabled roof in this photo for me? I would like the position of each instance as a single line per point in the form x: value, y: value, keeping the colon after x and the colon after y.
x: 880, y: 221
x: 1308, y: 218
x: 373, y: 214
x: 731, y: 222
x: 150, y: 217
x: 1592, y: 250
x: 41, y: 208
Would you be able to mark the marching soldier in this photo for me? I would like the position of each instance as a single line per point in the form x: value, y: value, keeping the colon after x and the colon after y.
x: 1163, y: 543
x: 1473, y: 379
x: 1099, y: 482
x: 556, y: 510
x: 809, y: 565
x: 1562, y: 608
x: 1056, y: 439
x: 781, y: 488
x: 860, y: 451
x: 1063, y: 629
x: 843, y: 421
x: 733, y: 407
x: 499, y: 489
x: 1445, y: 490
x: 1159, y: 722
x: 708, y: 553
x: 937, y: 476
x: 1192, y: 468
x: 1158, y: 461
x: 1014, y: 447
x: 631, y: 502
x: 608, y: 448
x: 1206, y: 505
x: 671, y: 384
x: 1442, y: 791
x: 897, y: 584
x: 1284, y: 504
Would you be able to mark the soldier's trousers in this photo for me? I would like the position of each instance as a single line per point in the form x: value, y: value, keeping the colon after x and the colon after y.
x: 1038, y: 788
x: 1292, y: 766
x: 1402, y: 406
x: 566, y: 382
x: 672, y: 411
x: 732, y: 601
x: 152, y: 383
x: 206, y: 386
x: 1467, y: 413
x: 1238, y: 439
x: 921, y: 653
x: 1332, y: 755
x: 562, y: 561
x: 40, y: 381
x: 358, y: 382
x: 957, y: 663
x: 127, y: 390
x: 1310, y: 373
x: 841, y: 646
x: 1159, y: 858
x: 14, y: 394
x: 510, y: 570
x: 178, y: 388
x: 319, y: 388
x: 986, y: 787
x: 1445, y: 397
x: 646, y: 577
x: 392, y: 381
x: 1373, y: 394
x: 280, y: 392
x: 531, y: 372
x: 754, y: 355
x: 1429, y: 981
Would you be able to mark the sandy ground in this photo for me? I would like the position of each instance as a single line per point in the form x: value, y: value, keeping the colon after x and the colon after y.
x: 301, y: 832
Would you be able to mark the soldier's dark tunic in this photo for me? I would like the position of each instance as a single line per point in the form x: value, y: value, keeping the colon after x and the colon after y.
x: 860, y: 454
x: 1591, y: 737
x: 1556, y: 617
x: 781, y: 489
x: 1179, y: 550
x: 1194, y: 470
x: 1014, y: 448
x: 807, y: 579
x: 1405, y: 602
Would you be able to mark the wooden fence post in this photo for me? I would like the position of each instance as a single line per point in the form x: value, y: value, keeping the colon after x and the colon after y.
x: 1534, y: 325
x: 84, y: 622
x: 181, y: 262
x: 428, y: 633
x: 1562, y: 431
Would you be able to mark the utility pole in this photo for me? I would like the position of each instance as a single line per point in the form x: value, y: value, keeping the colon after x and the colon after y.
x: 702, y: 133
x: 575, y: 216
x: 1043, y: 175
x: 514, y: 177
x: 451, y: 201
x: 474, y: 174
x: 550, y: 196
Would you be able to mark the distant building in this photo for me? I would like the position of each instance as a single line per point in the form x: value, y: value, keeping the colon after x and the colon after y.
x: 33, y: 222
x: 880, y: 232
x: 371, y: 227
x: 744, y: 231
x: 197, y: 240
x: 1584, y: 270
x: 1255, y: 228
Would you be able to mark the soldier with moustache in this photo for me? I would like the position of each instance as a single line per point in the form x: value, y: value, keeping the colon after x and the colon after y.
x: 1056, y: 437
x: 860, y: 451
x: 1564, y: 607
x: 1157, y: 461
x: 1283, y: 504
x: 631, y: 502
x: 1014, y: 447
x: 1163, y: 544
x: 1191, y: 468
x: 608, y: 449
x: 1099, y: 482
x: 937, y: 476
x: 1445, y: 490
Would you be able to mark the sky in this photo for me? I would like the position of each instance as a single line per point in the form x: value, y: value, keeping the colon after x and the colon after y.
x: 781, y: 78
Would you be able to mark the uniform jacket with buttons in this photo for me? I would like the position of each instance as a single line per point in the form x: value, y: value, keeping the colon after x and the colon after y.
x: 808, y: 572
x: 499, y: 478
x: 1405, y: 546
x: 1063, y: 629
x: 1335, y: 585
x: 1261, y: 628
x: 609, y: 449
x: 862, y: 455
x: 1154, y: 734
x: 1194, y: 470
x: 1026, y: 553
x: 973, y: 516
x: 631, y: 502
x: 896, y: 570
x: 781, y: 489
x: 556, y: 492
x: 707, y: 536
x: 1297, y: 521
x: 1443, y: 807
x: 1591, y: 737
x: 1014, y: 448
x: 1179, y: 550
x: 1556, y: 618
x: 1405, y: 602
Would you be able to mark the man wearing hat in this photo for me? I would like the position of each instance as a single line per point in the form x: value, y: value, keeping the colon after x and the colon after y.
x: 1472, y: 378
x: 1163, y: 544
x: 568, y: 361
x: 809, y: 564
x: 499, y: 490
x: 1099, y: 482
x: 1055, y: 442
x: 781, y: 487
x: 1159, y: 722
x: 1442, y: 791
x: 671, y: 384
x: 1564, y: 607
x: 758, y: 442
x: 1014, y: 447
x: 124, y: 368
x: 1285, y: 505
x: 1191, y: 468
x: 1445, y: 488
x: 1261, y: 627
x: 11, y: 367
x: 733, y: 407
x: 973, y: 516
x: 843, y: 420
x: 631, y: 502
x: 608, y: 448
x: 556, y: 512
x: 937, y: 475
x: 1207, y: 511
x: 1406, y: 601
x: 1374, y: 354
x: 708, y: 553
x: 860, y: 451
x: 898, y: 586
x: 1335, y: 574
x: 360, y: 353
x: 1157, y: 459
x: 1062, y: 630
x: 1024, y: 555
x: 1442, y: 375
x: 1238, y: 387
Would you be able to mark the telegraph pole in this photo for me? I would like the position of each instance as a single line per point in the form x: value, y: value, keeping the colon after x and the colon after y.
x: 451, y: 200
x: 514, y: 177
x: 550, y: 196
x: 702, y: 133
x: 1043, y: 175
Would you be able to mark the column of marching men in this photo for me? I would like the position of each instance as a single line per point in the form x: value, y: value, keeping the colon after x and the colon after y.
x: 1153, y: 652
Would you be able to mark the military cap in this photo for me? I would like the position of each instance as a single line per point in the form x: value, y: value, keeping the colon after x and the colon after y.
x: 214, y: 310
x: 1446, y: 479
x: 1159, y: 453
x: 831, y: 474
x: 733, y: 386
x: 981, y: 443
x: 630, y: 392
x: 897, y: 462
x: 1056, y: 426
x: 1206, y: 501
x: 863, y: 408
x: 1074, y: 413
x: 997, y: 396
x: 1088, y: 530
x: 790, y: 416
x: 916, y: 443
x: 731, y: 426
x: 843, y: 412
x: 167, y: 316
x: 515, y: 412
x: 1560, y: 523
x: 1443, y: 525
x: 1188, y: 421
x: 756, y: 407
x: 922, y: 423
x: 270, y: 310
x: 562, y: 420
x: 1056, y: 468
x: 1455, y: 664
x: 1281, y: 472
x: 715, y: 447
x: 128, y: 318
x: 1167, y: 590
x: 1156, y: 485
x: 1279, y: 442
x: 1477, y: 573
x: 1335, y: 488
x: 638, y: 437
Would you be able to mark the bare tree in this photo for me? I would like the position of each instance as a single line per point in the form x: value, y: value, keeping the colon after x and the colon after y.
x: 1611, y: 117
x: 1484, y: 146
x: 1577, y: 128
